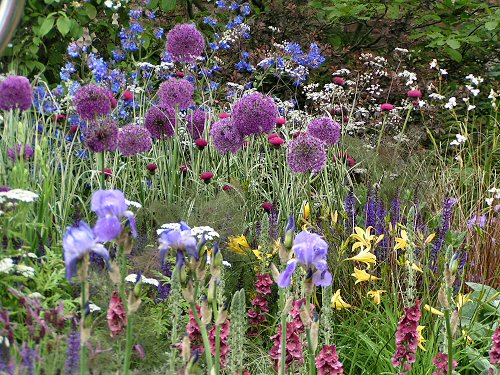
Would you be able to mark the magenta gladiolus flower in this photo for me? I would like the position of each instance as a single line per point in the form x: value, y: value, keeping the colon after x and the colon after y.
x: 495, y: 349
x: 15, y: 92
x: 134, y: 139
x: 176, y: 92
x: 92, y: 101
x: 327, y: 361
x: 254, y: 113
x: 407, y: 338
x: 325, y: 129
x: 185, y: 43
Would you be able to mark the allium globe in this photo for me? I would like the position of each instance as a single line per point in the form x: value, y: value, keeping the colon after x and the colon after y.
x: 325, y: 129
x: 160, y: 122
x: 134, y: 139
x: 92, y: 101
x: 176, y: 92
x: 15, y: 92
x: 254, y: 113
x: 185, y: 43
x: 306, y: 153
x: 101, y: 136
x: 20, y: 151
x: 225, y: 137
x: 196, y: 123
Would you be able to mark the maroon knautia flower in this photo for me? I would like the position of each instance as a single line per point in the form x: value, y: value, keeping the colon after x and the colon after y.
x: 59, y: 118
x: 201, y: 143
x: 117, y: 317
x: 495, y: 349
x: 226, y: 187
x: 339, y: 81
x: 107, y: 172
x: 306, y: 153
x: 20, y: 151
x: 280, y: 121
x: 386, y: 107
x: 414, y: 94
x: 183, y: 169
x: 101, y: 135
x: 195, y: 123
x: 15, y: 92
x: 176, y: 92
x: 254, y: 113
x: 223, y: 342
x: 267, y: 206
x: 346, y: 158
x: 92, y: 101
x: 441, y: 363
x: 272, y: 135
x: 276, y: 142
x: 151, y: 168
x: 134, y: 139
x: 407, y: 339
x: 185, y: 43
x: 160, y: 122
x: 113, y: 101
x: 327, y: 361
x: 73, y: 129
x: 206, y: 176
x: 128, y: 96
x: 325, y: 129
x: 179, y: 74
x: 224, y: 115
x: 225, y: 137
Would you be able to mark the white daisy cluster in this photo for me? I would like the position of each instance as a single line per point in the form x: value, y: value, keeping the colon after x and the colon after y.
x: 410, y: 77
x: 8, y: 266
x: 132, y: 278
x: 209, y: 233
x: 115, y: 4
x: 18, y: 195
x: 460, y: 139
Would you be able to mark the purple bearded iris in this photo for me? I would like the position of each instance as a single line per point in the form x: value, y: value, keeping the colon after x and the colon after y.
x: 310, y: 252
x: 110, y: 206
x: 77, y: 242
x: 179, y: 239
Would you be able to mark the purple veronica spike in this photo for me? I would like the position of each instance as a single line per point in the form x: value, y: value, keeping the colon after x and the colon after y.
x: 181, y: 239
x: 285, y: 278
x: 77, y: 242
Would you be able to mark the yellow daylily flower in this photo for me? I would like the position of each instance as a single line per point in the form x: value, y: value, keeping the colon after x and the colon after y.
x: 433, y: 310
x: 363, y: 237
x: 335, y: 217
x: 429, y: 238
x: 338, y: 303
x: 238, y: 244
x: 421, y: 339
x: 258, y: 254
x: 401, y: 242
x: 306, y: 212
x: 365, y: 257
x: 362, y: 275
x: 375, y: 294
x: 462, y: 299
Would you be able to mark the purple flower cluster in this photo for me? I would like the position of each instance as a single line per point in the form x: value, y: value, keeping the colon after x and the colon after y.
x: 495, y: 349
x: 185, y: 43
x: 442, y: 231
x: 73, y: 353
x: 176, y: 92
x: 196, y: 123
x: 20, y: 151
x: 327, y: 361
x: 160, y: 122
x: 101, y: 135
x: 15, y: 92
x: 92, y: 101
x: 325, y: 129
x: 306, y: 153
x: 134, y: 139
x: 225, y: 137
x: 441, y: 363
x: 350, y: 209
x: 407, y: 339
x: 254, y: 113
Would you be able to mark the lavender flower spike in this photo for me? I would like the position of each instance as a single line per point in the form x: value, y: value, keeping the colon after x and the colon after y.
x: 77, y: 242
x: 181, y: 239
x: 110, y: 206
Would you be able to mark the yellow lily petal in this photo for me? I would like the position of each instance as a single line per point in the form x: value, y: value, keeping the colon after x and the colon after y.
x: 421, y: 339
x: 429, y: 238
x: 462, y: 299
x: 433, y: 310
x: 365, y: 257
x: 362, y: 275
x: 375, y: 294
x: 338, y: 303
x: 307, y: 211
x: 238, y: 244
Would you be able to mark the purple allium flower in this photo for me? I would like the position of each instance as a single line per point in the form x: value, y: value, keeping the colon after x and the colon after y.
x: 310, y: 252
x: 185, y: 43
x: 254, y: 113
x: 20, y: 151
x: 325, y: 129
x: 73, y: 353
x: 225, y: 137
x: 92, y: 101
x: 134, y: 139
x: 15, y: 92
x: 306, y: 153
x: 178, y: 240
x: 196, y: 123
x: 160, y: 122
x: 110, y: 206
x: 101, y: 135
x: 78, y: 241
x: 176, y: 92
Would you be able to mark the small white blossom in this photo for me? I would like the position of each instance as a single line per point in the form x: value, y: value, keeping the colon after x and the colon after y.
x: 433, y: 64
x: 470, y: 107
x: 452, y: 103
x: 26, y: 271
x: 458, y: 141
x: 93, y: 307
x: 436, y: 96
x: 209, y: 232
x: 19, y: 195
x: 6, y: 265
x: 473, y: 91
x: 35, y: 295
x: 133, y: 277
x: 475, y: 80
x: 164, y: 227
x: 133, y: 203
x: 443, y: 72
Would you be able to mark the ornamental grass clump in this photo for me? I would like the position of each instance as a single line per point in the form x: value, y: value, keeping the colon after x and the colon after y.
x: 15, y: 93
x: 185, y: 43
x: 92, y: 101
x: 254, y: 114
x: 176, y: 93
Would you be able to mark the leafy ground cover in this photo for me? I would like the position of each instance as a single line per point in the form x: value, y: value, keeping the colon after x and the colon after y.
x: 225, y: 195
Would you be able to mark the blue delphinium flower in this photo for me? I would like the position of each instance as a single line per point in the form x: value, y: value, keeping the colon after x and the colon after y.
x: 310, y: 252
x: 136, y: 28
x: 98, y: 67
x: 135, y: 14
x: 209, y: 21
x: 158, y: 32
x: 238, y: 20
x: 245, y: 9
x: 243, y: 65
x: 221, y: 4
x: 78, y: 241
x: 234, y: 6
x: 314, y: 58
x: 74, y: 50
x: 66, y: 71
x: 179, y: 240
x: 110, y: 206
x: 118, y: 55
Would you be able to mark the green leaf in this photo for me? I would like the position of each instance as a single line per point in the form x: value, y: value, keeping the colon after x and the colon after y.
x: 91, y: 11
x: 491, y: 25
x: 167, y: 5
x: 63, y: 25
x: 454, y: 54
x: 76, y: 30
x: 46, y: 26
x: 453, y: 43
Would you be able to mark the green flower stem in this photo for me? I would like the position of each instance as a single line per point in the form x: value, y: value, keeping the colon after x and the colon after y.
x: 406, y: 121
x: 312, y: 365
x: 228, y: 168
x: 283, y: 345
x: 381, y: 131
x: 217, y: 329
x: 100, y: 166
x: 206, y: 343
x: 128, y: 347
x: 141, y: 187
